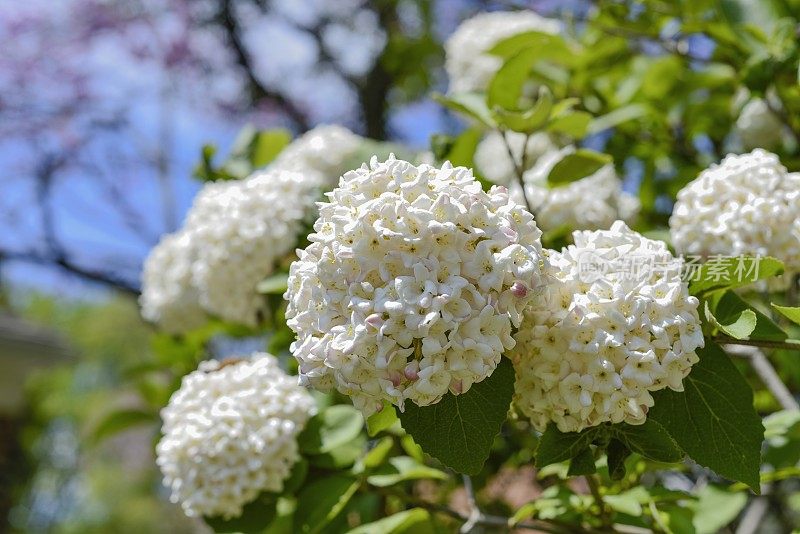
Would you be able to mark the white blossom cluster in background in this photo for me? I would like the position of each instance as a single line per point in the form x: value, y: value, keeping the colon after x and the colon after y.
x: 325, y: 149
x: 747, y: 204
x: 758, y: 126
x: 411, y: 284
x: 240, y: 229
x: 469, y: 66
x: 230, y: 433
x: 169, y: 297
x: 236, y: 232
x: 593, y: 202
x: 595, y: 347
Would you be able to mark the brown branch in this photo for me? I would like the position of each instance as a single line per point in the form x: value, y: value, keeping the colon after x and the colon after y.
x: 67, y: 265
x: 257, y: 89
x: 56, y: 254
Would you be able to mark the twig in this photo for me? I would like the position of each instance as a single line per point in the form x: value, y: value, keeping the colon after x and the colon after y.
x: 789, y: 344
x: 754, y: 514
x: 519, y: 168
x: 474, y: 512
x: 769, y: 377
x: 554, y: 527
x: 594, y: 487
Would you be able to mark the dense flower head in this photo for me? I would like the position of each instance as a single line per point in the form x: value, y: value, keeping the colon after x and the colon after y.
x: 241, y: 228
x: 593, y: 202
x: 748, y: 204
x: 168, y: 297
x: 230, y: 433
x: 411, y: 284
x: 758, y: 126
x: 468, y: 64
x: 325, y: 149
x: 617, y: 324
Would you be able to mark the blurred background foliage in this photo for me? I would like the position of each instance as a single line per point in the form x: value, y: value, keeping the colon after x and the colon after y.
x: 106, y: 105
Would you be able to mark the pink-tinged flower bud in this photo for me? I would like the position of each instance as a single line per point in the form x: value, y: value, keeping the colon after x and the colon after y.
x: 411, y: 373
x: 379, y: 407
x: 457, y: 386
x: 395, y: 378
x: 519, y: 290
x: 510, y: 233
x: 375, y: 320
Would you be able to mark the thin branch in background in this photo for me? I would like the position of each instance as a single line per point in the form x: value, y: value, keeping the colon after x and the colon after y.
x: 788, y: 344
x: 68, y: 265
x: 519, y: 167
x: 594, y: 488
x: 541, y: 525
x: 766, y: 372
x: 258, y: 91
x: 754, y: 513
x: 474, y: 512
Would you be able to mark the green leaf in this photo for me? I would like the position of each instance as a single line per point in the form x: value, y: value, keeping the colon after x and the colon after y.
x: 342, y: 456
x: 573, y: 124
x: 526, y: 121
x: 716, y: 508
x: 539, y: 44
x: 782, y: 433
x: 401, y: 469
x: 732, y: 272
x: 255, y: 517
x: 713, y: 420
x: 470, y: 104
x: 505, y: 88
x: 650, y: 440
x: 617, y: 117
x: 118, y: 421
x: 617, y: 452
x: 556, y: 446
x: 382, y: 420
x: 267, y: 145
x: 331, y: 428
x: 459, y: 429
x: 628, y: 502
x: 321, y: 501
x: 580, y: 164
x: 740, y: 328
x: 582, y: 464
x: 274, y: 285
x: 297, y: 476
x: 793, y: 314
x: 376, y: 455
x: 727, y: 306
x: 414, y: 521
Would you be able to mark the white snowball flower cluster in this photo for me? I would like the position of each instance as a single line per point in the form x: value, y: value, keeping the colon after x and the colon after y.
x: 240, y: 229
x: 748, y: 204
x: 325, y: 149
x: 168, y: 296
x: 468, y: 64
x: 617, y: 324
x: 230, y: 433
x: 593, y: 202
x: 411, y: 284
x: 237, y: 230
x: 758, y: 126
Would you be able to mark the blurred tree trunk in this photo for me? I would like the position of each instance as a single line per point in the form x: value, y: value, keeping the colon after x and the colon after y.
x: 12, y: 467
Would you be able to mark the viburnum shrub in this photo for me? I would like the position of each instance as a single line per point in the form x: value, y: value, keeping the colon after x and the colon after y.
x: 588, y: 295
